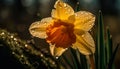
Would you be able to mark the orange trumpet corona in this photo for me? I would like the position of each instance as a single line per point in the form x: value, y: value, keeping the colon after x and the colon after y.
x: 61, y: 34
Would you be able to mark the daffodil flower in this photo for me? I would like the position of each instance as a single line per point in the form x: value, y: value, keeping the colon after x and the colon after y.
x: 65, y: 29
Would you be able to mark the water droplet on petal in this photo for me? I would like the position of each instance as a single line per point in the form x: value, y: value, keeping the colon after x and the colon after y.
x: 37, y: 23
x: 68, y: 10
x: 83, y: 35
x: 82, y: 12
x: 60, y: 7
x: 76, y: 15
x: 64, y: 5
x: 90, y: 25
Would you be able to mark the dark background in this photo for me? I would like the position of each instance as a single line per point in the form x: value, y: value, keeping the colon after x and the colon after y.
x: 17, y: 15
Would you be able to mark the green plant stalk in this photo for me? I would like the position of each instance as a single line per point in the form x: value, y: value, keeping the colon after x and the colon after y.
x: 110, y: 65
x: 108, y: 45
x: 100, y: 54
x: 75, y: 61
x: 83, y: 60
x: 67, y: 60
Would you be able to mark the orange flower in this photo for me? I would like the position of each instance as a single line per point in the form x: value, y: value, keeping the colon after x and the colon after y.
x: 66, y: 29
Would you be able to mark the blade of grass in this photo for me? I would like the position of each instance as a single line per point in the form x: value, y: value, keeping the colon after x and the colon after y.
x: 74, y: 58
x: 61, y: 62
x: 108, y: 45
x: 83, y: 60
x: 100, y: 55
x: 113, y: 57
x: 67, y: 60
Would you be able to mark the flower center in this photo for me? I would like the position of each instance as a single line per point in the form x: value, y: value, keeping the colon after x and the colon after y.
x: 61, y: 34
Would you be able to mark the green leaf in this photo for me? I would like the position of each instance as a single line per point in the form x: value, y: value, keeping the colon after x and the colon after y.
x: 67, y: 60
x: 113, y: 57
x: 83, y: 61
x: 74, y: 58
x: 100, y: 48
x: 108, y: 45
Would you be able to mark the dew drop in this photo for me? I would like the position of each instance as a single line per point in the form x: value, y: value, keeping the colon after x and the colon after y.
x: 90, y: 25
x: 13, y: 52
x: 26, y: 45
x: 76, y: 15
x: 82, y: 12
x: 56, y: 57
x: 11, y: 36
x: 64, y: 5
x: 45, y: 23
x: 37, y: 23
x: 83, y: 35
x: 78, y: 3
x: 45, y: 36
x: 21, y: 55
x: 66, y: 12
x: 15, y: 38
x: 53, y: 63
x: 41, y: 55
x: 32, y: 31
x: 60, y: 6
x: 2, y: 33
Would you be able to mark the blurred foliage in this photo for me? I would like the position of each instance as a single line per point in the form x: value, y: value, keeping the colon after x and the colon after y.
x: 25, y: 53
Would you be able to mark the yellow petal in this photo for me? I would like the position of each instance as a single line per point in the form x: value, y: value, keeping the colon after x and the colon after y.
x: 38, y: 29
x: 62, y: 11
x: 84, y: 20
x: 85, y: 44
x: 56, y: 51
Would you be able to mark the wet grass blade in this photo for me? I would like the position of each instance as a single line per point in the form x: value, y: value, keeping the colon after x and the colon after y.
x: 83, y: 62
x: 113, y: 57
x: 100, y: 48
x: 67, y: 60
x: 108, y: 45
x: 60, y: 60
x: 74, y: 58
